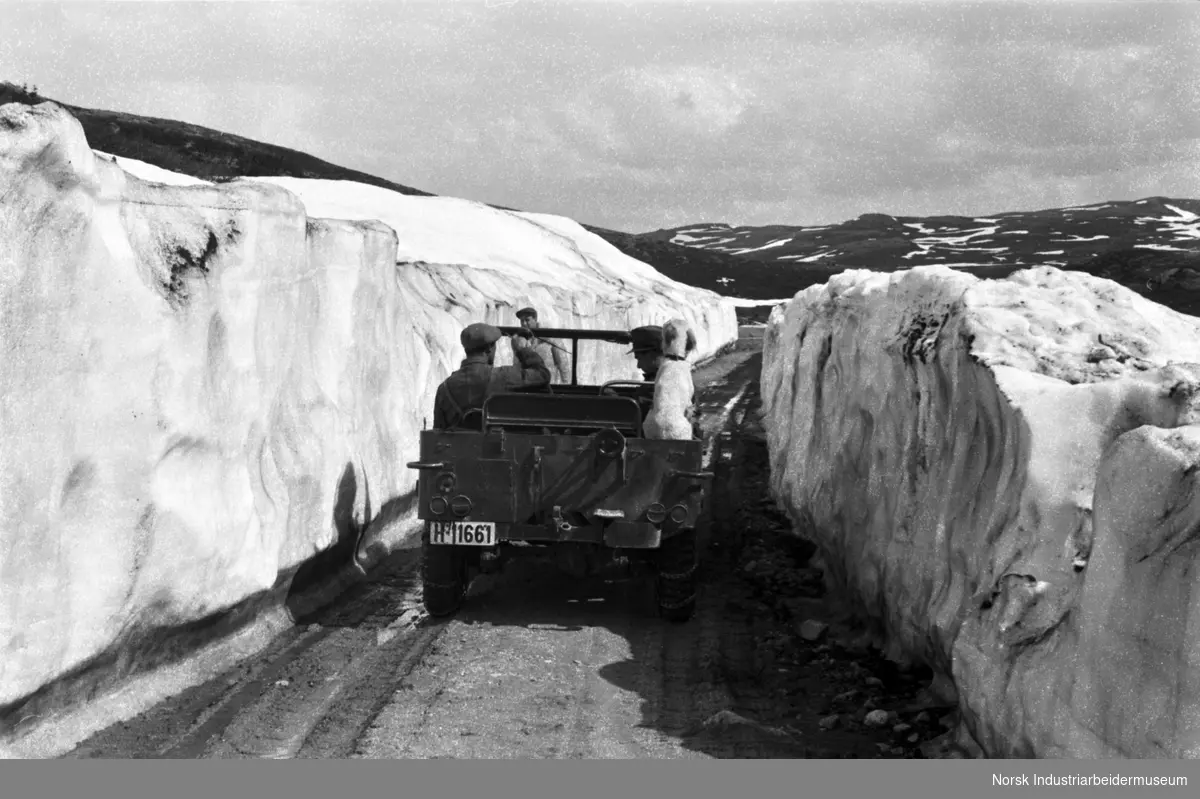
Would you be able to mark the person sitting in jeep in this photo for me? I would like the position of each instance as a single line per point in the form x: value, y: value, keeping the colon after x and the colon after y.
x: 648, y: 350
x: 477, y: 378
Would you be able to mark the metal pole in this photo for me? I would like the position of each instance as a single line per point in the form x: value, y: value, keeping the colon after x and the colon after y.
x: 574, y: 361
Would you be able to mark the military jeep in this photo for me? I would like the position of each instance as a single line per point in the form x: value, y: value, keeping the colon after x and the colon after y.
x: 564, y: 467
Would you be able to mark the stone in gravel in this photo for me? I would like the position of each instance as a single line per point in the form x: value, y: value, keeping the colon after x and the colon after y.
x: 857, y: 645
x: 870, y: 704
x: 926, y: 700
x: 829, y: 722
x: 727, y: 725
x: 846, y: 696
x: 949, y: 720
x: 812, y: 630
x: 876, y: 718
x: 900, y: 729
x: 943, y: 748
x: 923, y: 718
x: 812, y: 606
x: 750, y: 567
x: 912, y: 739
x: 874, y: 682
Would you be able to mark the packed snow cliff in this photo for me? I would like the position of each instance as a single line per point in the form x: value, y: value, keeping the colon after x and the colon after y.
x: 1005, y: 476
x: 203, y: 385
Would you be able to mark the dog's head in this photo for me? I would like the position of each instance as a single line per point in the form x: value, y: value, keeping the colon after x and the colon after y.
x: 678, y: 339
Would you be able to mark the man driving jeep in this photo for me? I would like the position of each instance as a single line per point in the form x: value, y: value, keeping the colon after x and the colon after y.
x: 476, y: 378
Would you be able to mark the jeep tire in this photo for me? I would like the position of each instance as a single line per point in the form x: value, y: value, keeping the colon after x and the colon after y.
x: 676, y: 581
x: 443, y: 579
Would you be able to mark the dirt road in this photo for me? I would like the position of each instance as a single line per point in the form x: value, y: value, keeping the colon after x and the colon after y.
x: 541, y: 664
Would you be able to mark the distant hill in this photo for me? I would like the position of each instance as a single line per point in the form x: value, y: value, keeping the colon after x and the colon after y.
x: 194, y: 150
x: 1151, y: 245
x: 1063, y: 237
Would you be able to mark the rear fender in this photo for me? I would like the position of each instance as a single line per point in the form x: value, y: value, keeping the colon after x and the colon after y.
x: 464, y: 475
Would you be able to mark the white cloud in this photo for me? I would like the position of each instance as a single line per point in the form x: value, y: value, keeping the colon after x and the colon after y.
x: 691, y: 98
x: 644, y: 115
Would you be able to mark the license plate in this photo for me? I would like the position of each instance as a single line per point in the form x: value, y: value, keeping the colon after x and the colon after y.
x: 472, y: 534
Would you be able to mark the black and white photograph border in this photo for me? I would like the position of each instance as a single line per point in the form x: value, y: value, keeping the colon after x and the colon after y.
x: 347, y: 412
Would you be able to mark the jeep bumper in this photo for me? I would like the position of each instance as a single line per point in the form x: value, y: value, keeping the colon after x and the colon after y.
x: 618, y: 534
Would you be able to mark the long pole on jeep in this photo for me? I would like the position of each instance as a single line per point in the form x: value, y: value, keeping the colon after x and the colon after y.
x: 612, y: 336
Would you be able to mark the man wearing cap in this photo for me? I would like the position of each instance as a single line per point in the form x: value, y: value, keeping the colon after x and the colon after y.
x: 552, y: 351
x: 648, y: 349
x: 476, y: 378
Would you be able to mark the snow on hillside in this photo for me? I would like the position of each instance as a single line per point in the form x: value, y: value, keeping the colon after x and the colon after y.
x: 1183, y: 224
x: 150, y: 172
x: 536, y: 248
x: 756, y: 303
x: 1014, y: 239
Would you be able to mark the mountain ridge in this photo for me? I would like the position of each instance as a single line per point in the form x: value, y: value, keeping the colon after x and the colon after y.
x: 1091, y: 230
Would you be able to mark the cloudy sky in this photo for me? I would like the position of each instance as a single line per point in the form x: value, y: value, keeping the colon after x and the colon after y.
x: 640, y: 116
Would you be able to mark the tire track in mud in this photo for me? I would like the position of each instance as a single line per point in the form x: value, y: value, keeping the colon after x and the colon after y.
x: 310, y: 694
x: 597, y: 696
x: 702, y: 660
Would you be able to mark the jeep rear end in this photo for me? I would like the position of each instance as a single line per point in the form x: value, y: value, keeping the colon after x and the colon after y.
x: 566, y: 469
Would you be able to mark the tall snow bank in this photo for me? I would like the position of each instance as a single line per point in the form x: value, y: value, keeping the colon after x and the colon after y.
x: 1005, y: 476
x: 202, y: 386
x: 460, y: 252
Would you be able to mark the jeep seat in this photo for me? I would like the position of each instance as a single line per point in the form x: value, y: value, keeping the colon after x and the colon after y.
x: 471, y: 420
x: 581, y: 414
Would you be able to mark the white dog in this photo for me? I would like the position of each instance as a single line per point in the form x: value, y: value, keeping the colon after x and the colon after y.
x: 671, y: 416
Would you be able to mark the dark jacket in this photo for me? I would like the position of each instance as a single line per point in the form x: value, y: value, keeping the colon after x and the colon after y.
x: 475, y: 380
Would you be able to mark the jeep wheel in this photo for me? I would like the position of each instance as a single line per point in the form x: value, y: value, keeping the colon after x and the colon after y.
x: 443, y: 579
x: 677, y: 576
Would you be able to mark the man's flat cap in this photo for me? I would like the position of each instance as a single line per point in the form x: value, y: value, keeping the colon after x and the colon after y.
x: 521, y: 314
x: 648, y: 338
x: 479, y: 336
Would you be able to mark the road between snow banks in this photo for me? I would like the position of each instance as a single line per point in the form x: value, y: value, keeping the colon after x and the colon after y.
x: 541, y: 664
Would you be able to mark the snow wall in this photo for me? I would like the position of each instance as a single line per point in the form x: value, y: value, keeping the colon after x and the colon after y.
x: 202, y: 386
x: 1004, y: 476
